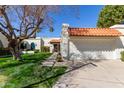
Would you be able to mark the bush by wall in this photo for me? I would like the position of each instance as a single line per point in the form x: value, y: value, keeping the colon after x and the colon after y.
x: 45, y: 49
x: 4, y: 52
x: 122, y: 56
x: 59, y: 58
x: 36, y: 51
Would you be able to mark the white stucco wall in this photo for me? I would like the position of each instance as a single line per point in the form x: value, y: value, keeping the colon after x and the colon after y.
x: 36, y: 41
x: 119, y: 47
x: 44, y: 41
x: 95, y: 48
x: 3, y: 41
x: 119, y: 42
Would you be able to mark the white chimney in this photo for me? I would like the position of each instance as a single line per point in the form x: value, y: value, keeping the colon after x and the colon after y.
x: 65, y: 30
x: 65, y: 27
x: 65, y: 41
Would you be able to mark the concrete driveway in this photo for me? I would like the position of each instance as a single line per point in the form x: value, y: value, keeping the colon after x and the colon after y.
x: 106, y: 74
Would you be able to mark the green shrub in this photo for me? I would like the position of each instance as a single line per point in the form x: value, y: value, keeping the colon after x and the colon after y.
x: 122, y: 55
x: 45, y: 49
x: 1, y: 48
x: 4, y: 51
x: 59, y: 58
x: 36, y: 51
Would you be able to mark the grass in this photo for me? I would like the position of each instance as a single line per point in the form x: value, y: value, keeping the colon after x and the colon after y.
x: 29, y: 73
x: 35, y: 58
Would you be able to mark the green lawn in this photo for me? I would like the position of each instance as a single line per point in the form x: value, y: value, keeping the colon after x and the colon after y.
x: 29, y: 72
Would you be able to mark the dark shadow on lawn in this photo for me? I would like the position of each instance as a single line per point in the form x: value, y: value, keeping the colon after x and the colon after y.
x: 25, y: 60
x: 6, y: 56
x: 21, y: 63
x: 75, y: 68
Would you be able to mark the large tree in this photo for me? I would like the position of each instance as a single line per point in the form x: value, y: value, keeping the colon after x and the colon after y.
x: 111, y: 15
x: 22, y: 22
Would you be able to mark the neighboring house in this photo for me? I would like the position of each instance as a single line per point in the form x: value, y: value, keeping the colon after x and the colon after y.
x: 36, y: 43
x: 3, y: 41
x: 31, y: 44
x: 52, y: 42
x: 92, y: 43
x: 55, y: 44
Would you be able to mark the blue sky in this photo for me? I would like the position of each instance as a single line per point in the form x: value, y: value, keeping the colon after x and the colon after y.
x: 88, y: 15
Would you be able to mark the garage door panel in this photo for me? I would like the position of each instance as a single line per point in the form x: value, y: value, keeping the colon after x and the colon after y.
x: 97, y: 54
x: 95, y: 49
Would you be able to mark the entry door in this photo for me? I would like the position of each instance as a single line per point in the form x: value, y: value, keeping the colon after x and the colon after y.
x: 55, y: 47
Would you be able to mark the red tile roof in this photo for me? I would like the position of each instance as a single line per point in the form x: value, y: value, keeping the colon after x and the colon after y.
x: 93, y: 32
x: 55, y: 41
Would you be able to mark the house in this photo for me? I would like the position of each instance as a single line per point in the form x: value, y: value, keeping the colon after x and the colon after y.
x: 3, y: 41
x: 36, y: 43
x: 31, y: 44
x: 52, y: 42
x: 92, y: 43
x: 55, y: 44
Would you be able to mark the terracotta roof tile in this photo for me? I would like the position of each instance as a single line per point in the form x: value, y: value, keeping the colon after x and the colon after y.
x: 55, y: 41
x: 94, y: 32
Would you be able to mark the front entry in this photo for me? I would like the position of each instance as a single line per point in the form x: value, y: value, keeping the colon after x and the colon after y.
x: 56, y: 47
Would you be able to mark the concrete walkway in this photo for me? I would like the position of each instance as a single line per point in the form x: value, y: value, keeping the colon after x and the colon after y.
x: 106, y: 74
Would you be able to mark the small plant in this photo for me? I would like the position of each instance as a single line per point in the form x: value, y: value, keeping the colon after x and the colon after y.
x: 1, y: 48
x: 4, y: 51
x: 45, y: 49
x: 36, y: 51
x: 59, y: 57
x: 122, y: 55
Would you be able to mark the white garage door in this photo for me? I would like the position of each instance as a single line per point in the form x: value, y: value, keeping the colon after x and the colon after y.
x: 93, y: 48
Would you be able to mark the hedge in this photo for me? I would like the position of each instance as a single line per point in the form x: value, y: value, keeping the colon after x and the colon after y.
x: 122, y: 55
x: 45, y: 49
x: 4, y: 52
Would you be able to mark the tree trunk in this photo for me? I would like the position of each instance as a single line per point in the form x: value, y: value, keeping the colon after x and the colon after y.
x: 16, y: 53
x: 14, y: 49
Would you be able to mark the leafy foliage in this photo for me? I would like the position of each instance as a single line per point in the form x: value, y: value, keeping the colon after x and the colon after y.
x: 59, y: 58
x: 4, y: 52
x: 122, y: 55
x: 111, y: 15
x: 45, y: 49
x: 36, y: 51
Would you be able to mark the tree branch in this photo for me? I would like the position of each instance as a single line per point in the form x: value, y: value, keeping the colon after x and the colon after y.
x: 16, y: 29
x: 5, y: 27
x: 35, y: 29
x: 5, y: 34
x: 10, y: 29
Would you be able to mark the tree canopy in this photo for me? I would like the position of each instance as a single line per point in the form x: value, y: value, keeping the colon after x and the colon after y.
x: 24, y: 21
x: 111, y: 15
